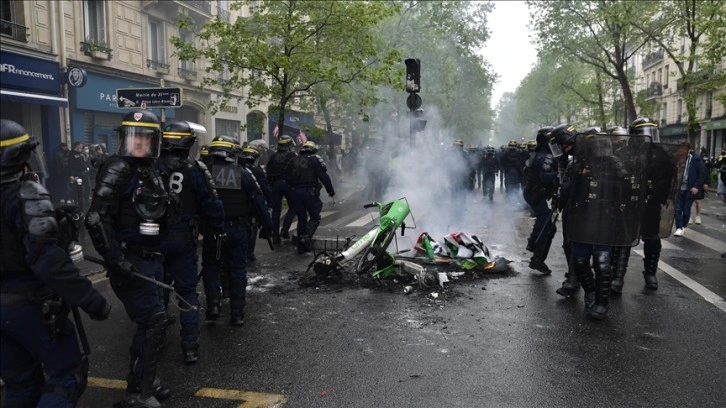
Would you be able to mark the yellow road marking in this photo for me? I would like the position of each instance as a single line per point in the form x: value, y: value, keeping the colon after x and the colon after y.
x: 251, y: 399
x: 107, y: 383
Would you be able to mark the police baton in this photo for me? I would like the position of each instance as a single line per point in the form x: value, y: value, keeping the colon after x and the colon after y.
x: 146, y: 278
x: 552, y: 218
x: 81, y: 331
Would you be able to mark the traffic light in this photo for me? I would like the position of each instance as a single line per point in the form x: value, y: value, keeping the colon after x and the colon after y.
x: 413, y: 75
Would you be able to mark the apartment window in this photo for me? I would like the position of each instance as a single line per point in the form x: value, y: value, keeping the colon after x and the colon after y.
x: 157, y: 41
x: 187, y: 66
x: 11, y: 20
x: 667, y: 75
x: 679, y: 110
x: 94, y: 15
x: 665, y: 113
x: 223, y: 10
x: 660, y: 75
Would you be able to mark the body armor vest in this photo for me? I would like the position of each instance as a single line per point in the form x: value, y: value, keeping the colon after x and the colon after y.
x: 302, y: 172
x: 13, y: 250
x: 230, y: 187
x: 277, y: 165
x: 181, y: 175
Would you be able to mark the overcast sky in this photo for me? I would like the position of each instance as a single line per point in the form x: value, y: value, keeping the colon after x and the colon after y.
x: 509, y: 50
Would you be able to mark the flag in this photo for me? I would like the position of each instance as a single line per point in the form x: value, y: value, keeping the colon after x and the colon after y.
x: 301, y: 138
x: 276, y: 131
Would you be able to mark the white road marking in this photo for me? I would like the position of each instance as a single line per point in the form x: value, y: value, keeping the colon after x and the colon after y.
x: 700, y: 290
x: 705, y: 240
x: 364, y: 220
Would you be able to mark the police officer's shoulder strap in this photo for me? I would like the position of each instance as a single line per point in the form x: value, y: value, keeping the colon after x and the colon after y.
x: 207, y: 178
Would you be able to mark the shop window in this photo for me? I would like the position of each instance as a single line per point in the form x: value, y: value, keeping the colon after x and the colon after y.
x: 12, y: 20
x: 224, y: 127
x: 94, y: 14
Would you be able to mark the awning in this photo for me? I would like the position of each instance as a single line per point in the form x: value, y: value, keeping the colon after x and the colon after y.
x: 32, y: 98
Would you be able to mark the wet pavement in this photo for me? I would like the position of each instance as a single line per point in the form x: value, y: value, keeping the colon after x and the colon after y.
x: 503, y: 340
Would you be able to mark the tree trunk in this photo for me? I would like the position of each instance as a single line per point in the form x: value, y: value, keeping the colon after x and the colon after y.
x: 627, y: 95
x: 601, y: 102
x: 693, y: 128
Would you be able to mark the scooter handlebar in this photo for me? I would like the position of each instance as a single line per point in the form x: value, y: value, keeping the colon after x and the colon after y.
x: 373, y: 204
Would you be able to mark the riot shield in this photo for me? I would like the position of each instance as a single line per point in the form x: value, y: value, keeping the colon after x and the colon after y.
x: 664, y: 174
x: 608, y: 189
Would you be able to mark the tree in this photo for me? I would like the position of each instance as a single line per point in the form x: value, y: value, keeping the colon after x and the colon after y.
x: 702, y: 23
x: 286, y: 48
x: 507, y: 126
x: 595, y: 33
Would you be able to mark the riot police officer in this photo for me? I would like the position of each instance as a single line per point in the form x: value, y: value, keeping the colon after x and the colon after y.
x: 192, y: 182
x: 511, y: 165
x: 541, y: 185
x: 242, y: 199
x: 130, y: 203
x: 661, y: 175
x: 40, y: 362
x: 276, y: 171
x: 305, y: 174
x: 250, y: 159
x: 489, y: 168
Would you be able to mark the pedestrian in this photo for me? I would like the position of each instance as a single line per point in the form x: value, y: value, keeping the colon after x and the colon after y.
x: 721, y: 177
x: 691, y: 189
x: 79, y: 175
x: 242, y: 199
x: 307, y: 174
x: 192, y: 182
x: 41, y: 363
x: 279, y: 188
x: 541, y: 185
x: 62, y: 173
x: 130, y: 204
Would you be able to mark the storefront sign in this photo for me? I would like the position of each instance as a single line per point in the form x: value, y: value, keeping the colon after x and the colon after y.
x: 716, y: 124
x: 31, y: 74
x: 76, y: 77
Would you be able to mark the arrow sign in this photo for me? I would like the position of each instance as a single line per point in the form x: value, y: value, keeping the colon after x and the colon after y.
x: 143, y: 98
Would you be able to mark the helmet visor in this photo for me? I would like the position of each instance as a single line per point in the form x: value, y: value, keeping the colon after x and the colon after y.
x: 555, y: 148
x: 140, y: 142
x: 651, y: 131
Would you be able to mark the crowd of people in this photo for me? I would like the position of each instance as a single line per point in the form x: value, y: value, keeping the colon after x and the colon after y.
x: 150, y: 202
x: 80, y: 163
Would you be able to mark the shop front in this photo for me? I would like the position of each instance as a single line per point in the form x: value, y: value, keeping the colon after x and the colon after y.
x: 674, y: 134
x: 715, y: 136
x: 95, y: 114
x: 31, y: 94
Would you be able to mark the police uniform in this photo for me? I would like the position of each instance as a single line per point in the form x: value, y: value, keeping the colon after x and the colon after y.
x: 306, y: 172
x: 192, y: 182
x: 249, y: 158
x: 241, y: 198
x: 40, y: 359
x: 130, y: 202
x: 276, y: 172
x: 489, y: 169
x: 541, y: 185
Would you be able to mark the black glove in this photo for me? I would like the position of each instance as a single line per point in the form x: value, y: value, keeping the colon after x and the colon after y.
x: 99, y: 310
x: 332, y: 194
x: 265, y: 233
x: 121, y: 268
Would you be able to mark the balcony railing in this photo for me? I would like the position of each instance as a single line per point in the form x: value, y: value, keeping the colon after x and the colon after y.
x: 652, y: 58
x: 201, y: 5
x: 187, y: 73
x: 158, y: 66
x: 655, y: 89
x: 14, y: 30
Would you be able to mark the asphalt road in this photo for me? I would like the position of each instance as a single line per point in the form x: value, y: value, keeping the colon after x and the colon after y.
x: 500, y: 340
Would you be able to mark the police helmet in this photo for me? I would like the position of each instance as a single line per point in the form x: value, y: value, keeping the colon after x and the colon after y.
x: 645, y: 126
x: 249, y: 155
x: 181, y: 135
x: 204, y: 150
x: 16, y: 147
x: 513, y: 144
x: 309, y: 147
x: 284, y: 142
x: 617, y: 130
x: 491, y: 150
x: 139, y: 135
x: 225, y: 146
x: 531, y: 145
x: 593, y: 130
x: 563, y: 134
x: 459, y: 143
x: 543, y: 134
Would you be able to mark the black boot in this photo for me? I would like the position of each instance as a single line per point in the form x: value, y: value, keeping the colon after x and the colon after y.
x: 214, y: 309
x: 651, y: 256
x: 603, y: 269
x: 619, y: 262
x: 570, y: 285
x: 237, y: 318
x: 146, y: 390
x: 541, y: 250
x: 584, y: 275
x: 190, y: 352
